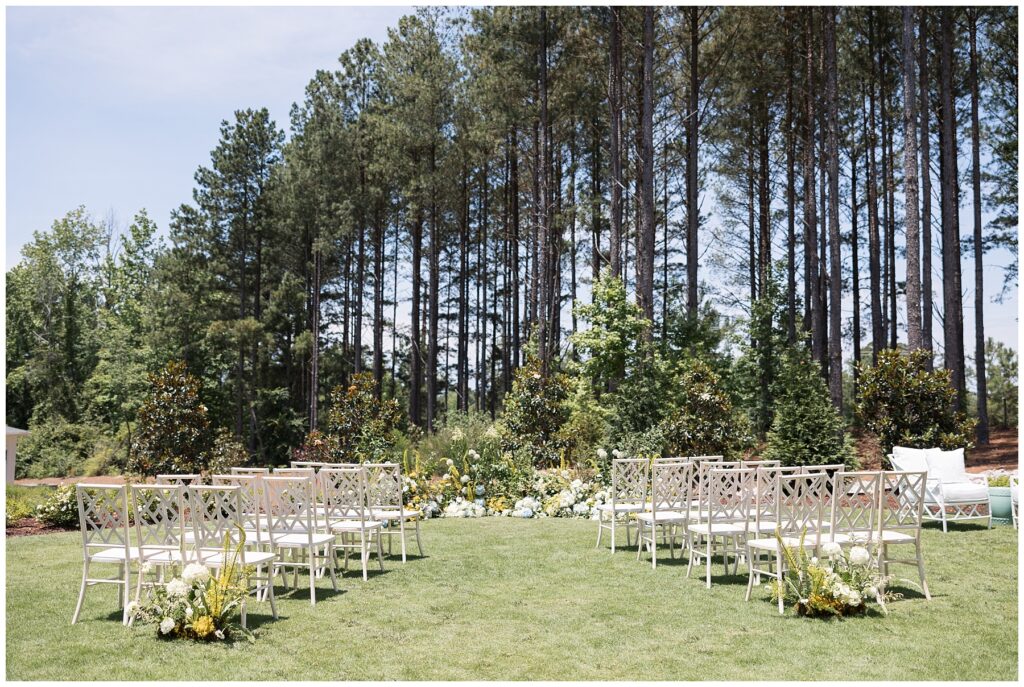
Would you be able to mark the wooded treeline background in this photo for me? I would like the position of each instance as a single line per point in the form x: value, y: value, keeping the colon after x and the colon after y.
x: 443, y: 199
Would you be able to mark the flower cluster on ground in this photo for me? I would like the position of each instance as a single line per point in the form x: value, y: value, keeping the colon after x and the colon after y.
x: 841, y: 583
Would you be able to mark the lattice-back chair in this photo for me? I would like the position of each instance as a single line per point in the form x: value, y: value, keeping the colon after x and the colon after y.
x: 1014, y: 498
x: 903, y: 495
x: 250, y: 471
x: 186, y: 480
x: 347, y: 514
x: 703, y: 468
x: 695, y: 478
x: 250, y: 492
x: 627, y: 494
x: 856, y: 507
x: 217, y: 515
x: 313, y: 464
x: 760, y: 463
x: 798, y: 514
x: 670, y: 507
x: 290, y: 510
x: 103, y: 521
x: 764, y: 507
x: 385, y: 489
x: 159, y: 515
x: 724, y: 515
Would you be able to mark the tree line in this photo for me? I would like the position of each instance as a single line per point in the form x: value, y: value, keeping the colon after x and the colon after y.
x: 441, y: 201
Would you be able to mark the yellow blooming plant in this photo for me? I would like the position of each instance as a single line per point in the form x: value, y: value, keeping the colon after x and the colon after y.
x: 197, y: 604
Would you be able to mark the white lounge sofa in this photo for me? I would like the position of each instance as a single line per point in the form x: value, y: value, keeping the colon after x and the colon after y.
x: 952, y: 493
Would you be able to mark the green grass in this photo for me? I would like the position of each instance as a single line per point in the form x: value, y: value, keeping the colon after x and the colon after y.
x: 530, y: 600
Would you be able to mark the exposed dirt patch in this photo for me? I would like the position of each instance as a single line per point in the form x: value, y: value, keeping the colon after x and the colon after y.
x: 27, y: 526
x: 1002, y: 452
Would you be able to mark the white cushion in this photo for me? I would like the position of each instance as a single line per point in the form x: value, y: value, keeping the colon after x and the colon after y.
x: 961, y: 492
x: 947, y: 466
x: 910, y: 459
x: 1013, y: 492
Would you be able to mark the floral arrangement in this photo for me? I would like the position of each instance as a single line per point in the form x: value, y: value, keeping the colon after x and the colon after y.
x: 840, y: 585
x: 197, y: 604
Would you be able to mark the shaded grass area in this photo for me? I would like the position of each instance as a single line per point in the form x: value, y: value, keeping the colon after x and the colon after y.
x: 499, y: 598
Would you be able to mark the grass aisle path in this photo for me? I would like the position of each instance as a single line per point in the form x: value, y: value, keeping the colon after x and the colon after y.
x: 512, y: 599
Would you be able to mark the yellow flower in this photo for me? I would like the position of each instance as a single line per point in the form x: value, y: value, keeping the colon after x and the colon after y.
x: 203, y: 626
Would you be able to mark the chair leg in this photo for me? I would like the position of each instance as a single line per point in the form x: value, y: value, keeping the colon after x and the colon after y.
x: 750, y: 573
x: 600, y: 528
x: 312, y: 577
x: 81, y: 592
x: 690, y: 553
x: 419, y: 544
x: 124, y: 586
x: 640, y: 540
x: 401, y: 529
x: 778, y: 571
x: 613, y: 531
x: 654, y: 546
x: 380, y: 548
x: 363, y: 554
x: 710, y: 546
x: 920, y: 568
x: 269, y: 592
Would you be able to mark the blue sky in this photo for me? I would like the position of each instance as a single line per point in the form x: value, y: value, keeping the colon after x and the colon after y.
x: 115, y: 108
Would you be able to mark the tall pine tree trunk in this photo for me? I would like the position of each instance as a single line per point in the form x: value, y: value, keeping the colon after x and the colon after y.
x: 910, y: 183
x: 615, y: 144
x: 645, y: 252
x: 874, y: 247
x: 927, y: 337
x: 979, y: 277
x: 692, y: 197
x: 835, y: 343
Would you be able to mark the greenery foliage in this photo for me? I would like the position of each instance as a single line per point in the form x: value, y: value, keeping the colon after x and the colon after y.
x: 60, y: 509
x: 904, y: 404
x: 535, y: 411
x: 704, y: 421
x: 361, y: 427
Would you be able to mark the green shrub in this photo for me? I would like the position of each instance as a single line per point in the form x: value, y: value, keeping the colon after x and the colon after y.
x: 173, y: 430
x: 61, y: 508
x: 535, y: 411
x: 361, y: 427
x: 904, y: 404
x: 807, y: 429
x: 587, y: 427
x: 17, y: 509
x: 56, y: 448
x: 227, y: 452
x: 999, y: 481
x: 704, y: 421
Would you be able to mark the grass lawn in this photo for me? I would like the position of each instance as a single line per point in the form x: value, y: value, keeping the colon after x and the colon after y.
x: 498, y: 598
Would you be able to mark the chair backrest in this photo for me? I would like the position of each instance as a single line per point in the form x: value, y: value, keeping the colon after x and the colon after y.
x: 706, y: 466
x: 383, y: 485
x: 902, y: 500
x: 629, y: 480
x: 670, y: 486
x: 760, y: 463
x: 216, y: 514
x: 344, y: 493
x: 103, y: 516
x: 250, y: 493
x: 856, y: 503
x: 728, y: 492
x: 799, y: 501
x: 289, y: 505
x: 294, y: 472
x: 315, y: 465
x: 159, y: 515
x: 185, y: 480
x: 250, y: 471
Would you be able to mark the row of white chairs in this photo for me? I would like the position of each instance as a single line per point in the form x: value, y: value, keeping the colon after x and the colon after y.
x: 735, y: 510
x: 293, y: 519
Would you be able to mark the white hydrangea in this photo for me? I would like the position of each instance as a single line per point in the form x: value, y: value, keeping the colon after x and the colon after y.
x: 133, y: 608
x: 457, y: 434
x: 195, y: 573
x: 473, y: 455
x: 859, y: 555
x: 602, y: 454
x: 464, y: 479
x: 831, y: 549
x: 177, y: 587
x: 617, y: 453
x: 450, y: 462
x: 166, y: 625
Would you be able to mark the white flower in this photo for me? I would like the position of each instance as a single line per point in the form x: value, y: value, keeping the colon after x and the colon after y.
x: 166, y: 625
x: 617, y: 453
x: 527, y: 513
x: 473, y: 454
x: 457, y: 434
x: 146, y: 568
x: 492, y: 432
x: 464, y: 479
x: 814, y: 560
x: 195, y: 573
x: 854, y: 598
x: 219, y: 634
x: 859, y: 555
x: 450, y: 462
x: 872, y: 591
x: 133, y: 608
x: 177, y: 587
x: 479, y: 490
x: 602, y: 454
x: 831, y: 549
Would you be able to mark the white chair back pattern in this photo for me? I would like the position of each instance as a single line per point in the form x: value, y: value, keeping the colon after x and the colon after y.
x: 699, y: 486
x: 216, y: 515
x: 289, y: 505
x: 799, y: 499
x: 383, y: 486
x: 310, y: 464
x: 728, y: 492
x: 856, y: 504
x: 902, y: 500
x: 250, y: 493
x: 344, y: 494
x: 103, y: 517
x: 760, y: 463
x: 185, y: 480
x: 160, y: 516
x: 629, y: 480
x: 670, y: 487
x: 250, y: 471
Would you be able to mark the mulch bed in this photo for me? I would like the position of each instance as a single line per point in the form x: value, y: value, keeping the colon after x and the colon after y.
x: 27, y: 526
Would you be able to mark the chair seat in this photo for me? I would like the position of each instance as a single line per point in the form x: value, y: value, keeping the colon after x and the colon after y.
x: 301, y: 539
x: 719, y: 528
x: 666, y: 516
x: 621, y: 507
x: 772, y: 544
x: 896, y: 537
x: 856, y: 537
x: 354, y: 525
x: 216, y: 558
x: 115, y: 554
x: 159, y: 554
x: 960, y: 492
x: 395, y: 514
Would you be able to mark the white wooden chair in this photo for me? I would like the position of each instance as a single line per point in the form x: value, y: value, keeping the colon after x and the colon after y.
x: 184, y: 480
x: 951, y: 493
x: 159, y: 517
x: 670, y: 507
x: 217, y: 513
x: 250, y: 471
x: 347, y: 515
x: 855, y: 507
x: 628, y: 495
x: 1014, y: 498
x: 798, y: 510
x: 290, y: 510
x: 103, y: 521
x: 902, y: 507
x: 384, y: 496
x: 250, y: 493
x: 724, y: 515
